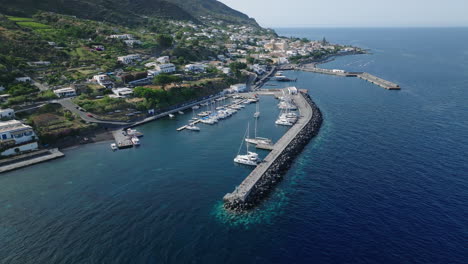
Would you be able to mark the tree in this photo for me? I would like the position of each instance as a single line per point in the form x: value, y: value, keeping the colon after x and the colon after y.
x: 165, y: 79
x: 163, y: 40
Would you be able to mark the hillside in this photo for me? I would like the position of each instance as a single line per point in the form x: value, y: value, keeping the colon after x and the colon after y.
x: 214, y: 9
x: 128, y: 12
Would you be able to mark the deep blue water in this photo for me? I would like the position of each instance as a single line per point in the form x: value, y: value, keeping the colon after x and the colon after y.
x: 385, y: 181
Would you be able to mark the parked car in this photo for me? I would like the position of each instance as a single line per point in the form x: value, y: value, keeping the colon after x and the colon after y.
x: 89, y: 115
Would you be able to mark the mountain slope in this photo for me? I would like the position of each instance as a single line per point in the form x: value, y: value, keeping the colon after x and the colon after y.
x: 214, y: 9
x: 128, y: 11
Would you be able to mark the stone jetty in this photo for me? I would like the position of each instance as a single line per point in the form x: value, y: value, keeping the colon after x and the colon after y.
x: 267, y: 174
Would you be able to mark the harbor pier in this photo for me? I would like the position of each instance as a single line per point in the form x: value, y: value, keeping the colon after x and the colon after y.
x: 362, y: 75
x: 122, y: 139
x: 268, y: 173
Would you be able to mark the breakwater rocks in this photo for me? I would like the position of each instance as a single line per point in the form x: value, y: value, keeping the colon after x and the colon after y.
x: 281, y: 164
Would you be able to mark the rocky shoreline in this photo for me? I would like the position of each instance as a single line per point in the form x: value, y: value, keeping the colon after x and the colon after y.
x: 281, y: 165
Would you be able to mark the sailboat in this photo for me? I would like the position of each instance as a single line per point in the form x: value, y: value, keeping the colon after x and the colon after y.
x: 258, y: 140
x: 191, y: 125
x: 251, y: 158
x: 257, y: 112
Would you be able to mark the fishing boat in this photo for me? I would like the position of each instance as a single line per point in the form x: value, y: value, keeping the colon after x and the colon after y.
x: 250, y: 158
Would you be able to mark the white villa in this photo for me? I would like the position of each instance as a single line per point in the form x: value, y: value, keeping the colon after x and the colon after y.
x: 195, y: 67
x: 16, y: 137
x: 166, y: 68
x: 7, y: 113
x: 128, y: 59
x: 103, y: 80
x: 65, y: 92
x: 122, y: 92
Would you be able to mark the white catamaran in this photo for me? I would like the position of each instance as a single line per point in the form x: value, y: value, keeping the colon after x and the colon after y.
x: 258, y: 140
x: 251, y: 158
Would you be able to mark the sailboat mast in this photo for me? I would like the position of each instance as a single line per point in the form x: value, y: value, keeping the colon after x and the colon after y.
x: 248, y: 136
x: 256, y: 118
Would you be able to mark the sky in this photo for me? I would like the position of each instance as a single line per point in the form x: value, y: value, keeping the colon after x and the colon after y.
x: 354, y: 13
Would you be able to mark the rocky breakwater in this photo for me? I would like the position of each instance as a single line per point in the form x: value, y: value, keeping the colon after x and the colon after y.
x: 252, y: 191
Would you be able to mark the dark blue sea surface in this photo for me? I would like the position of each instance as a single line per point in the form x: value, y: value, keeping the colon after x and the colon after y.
x: 386, y: 180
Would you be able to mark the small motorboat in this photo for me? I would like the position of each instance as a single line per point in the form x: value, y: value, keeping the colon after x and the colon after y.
x: 171, y: 116
x: 114, y: 147
x: 193, y: 128
x: 135, y: 141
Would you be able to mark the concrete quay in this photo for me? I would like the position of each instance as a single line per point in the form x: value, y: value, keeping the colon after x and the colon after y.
x: 29, y: 159
x: 362, y: 75
x: 268, y: 173
x: 379, y: 81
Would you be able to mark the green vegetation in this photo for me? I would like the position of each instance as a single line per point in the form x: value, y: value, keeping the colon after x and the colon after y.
x: 52, y: 123
x: 102, y: 106
x: 165, y: 79
x: 32, y: 25
x: 19, y: 19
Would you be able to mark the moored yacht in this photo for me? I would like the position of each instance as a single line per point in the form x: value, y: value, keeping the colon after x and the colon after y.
x: 135, y: 141
x: 251, y: 158
x: 193, y: 128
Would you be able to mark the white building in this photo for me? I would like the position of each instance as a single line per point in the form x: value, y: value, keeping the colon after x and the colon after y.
x: 132, y: 42
x: 23, y: 79
x: 238, y: 88
x: 153, y: 73
x: 195, y: 67
x: 65, y: 92
x: 7, y: 113
x: 39, y: 63
x: 16, y: 137
x: 163, y: 59
x: 103, y: 80
x: 123, y: 36
x: 292, y: 90
x: 128, y: 59
x: 122, y: 92
x: 166, y: 68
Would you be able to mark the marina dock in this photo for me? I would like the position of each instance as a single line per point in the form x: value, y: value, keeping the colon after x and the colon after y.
x: 362, y: 75
x: 122, y: 139
x: 266, y: 173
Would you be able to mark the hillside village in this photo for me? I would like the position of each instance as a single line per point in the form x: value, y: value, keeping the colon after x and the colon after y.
x: 70, y: 73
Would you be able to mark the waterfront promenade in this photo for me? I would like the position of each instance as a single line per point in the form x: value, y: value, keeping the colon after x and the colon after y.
x: 245, y: 190
x: 29, y: 159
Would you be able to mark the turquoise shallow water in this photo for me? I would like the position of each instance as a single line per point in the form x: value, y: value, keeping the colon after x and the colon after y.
x: 384, y: 182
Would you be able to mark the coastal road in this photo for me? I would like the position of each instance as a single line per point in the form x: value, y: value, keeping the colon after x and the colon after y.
x: 67, y: 103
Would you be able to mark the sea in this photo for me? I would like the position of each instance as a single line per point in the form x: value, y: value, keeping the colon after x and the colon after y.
x: 385, y: 181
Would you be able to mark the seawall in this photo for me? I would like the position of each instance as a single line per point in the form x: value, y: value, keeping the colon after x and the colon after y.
x: 264, y: 178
